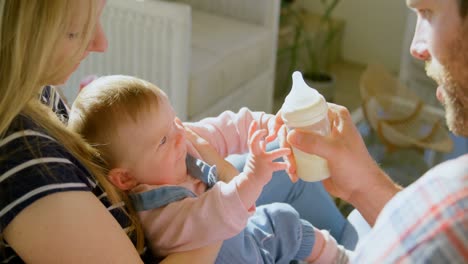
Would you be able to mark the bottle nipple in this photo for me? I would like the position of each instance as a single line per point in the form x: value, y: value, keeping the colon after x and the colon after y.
x: 298, y: 81
x: 303, y: 103
x: 301, y: 94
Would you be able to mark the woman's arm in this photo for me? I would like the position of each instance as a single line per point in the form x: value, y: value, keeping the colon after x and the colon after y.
x: 69, y: 227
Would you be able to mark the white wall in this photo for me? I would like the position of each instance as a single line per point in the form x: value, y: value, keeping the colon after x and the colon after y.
x: 374, y: 29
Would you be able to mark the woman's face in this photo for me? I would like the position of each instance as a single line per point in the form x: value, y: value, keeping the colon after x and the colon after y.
x: 73, y: 39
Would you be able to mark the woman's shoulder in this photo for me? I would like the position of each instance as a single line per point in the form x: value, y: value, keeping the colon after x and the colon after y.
x: 33, y: 164
x: 26, y: 144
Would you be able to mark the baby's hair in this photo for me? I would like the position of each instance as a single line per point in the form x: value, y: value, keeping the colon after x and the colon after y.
x: 107, y: 103
x: 96, y: 114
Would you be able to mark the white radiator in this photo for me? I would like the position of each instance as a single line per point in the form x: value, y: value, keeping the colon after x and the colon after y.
x: 147, y: 39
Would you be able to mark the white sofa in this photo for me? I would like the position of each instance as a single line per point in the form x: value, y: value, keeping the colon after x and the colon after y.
x: 207, y: 55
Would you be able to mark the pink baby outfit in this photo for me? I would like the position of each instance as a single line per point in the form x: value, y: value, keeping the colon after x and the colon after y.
x: 171, y: 228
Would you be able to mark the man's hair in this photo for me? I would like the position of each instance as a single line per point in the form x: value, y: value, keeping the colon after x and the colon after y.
x: 463, y: 7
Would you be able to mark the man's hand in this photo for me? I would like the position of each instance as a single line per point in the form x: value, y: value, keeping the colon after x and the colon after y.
x: 354, y: 175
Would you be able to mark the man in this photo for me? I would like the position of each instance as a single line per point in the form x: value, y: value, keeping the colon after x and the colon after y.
x: 428, y: 221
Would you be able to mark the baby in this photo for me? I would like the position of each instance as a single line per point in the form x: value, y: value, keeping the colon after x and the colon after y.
x: 182, y: 201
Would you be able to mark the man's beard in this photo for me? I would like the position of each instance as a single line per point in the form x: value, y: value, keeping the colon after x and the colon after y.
x: 452, y: 76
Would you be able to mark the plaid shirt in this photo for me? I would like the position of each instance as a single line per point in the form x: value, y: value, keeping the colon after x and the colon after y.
x: 425, y: 223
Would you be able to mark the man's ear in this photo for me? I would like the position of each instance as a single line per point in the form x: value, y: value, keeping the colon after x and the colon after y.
x: 122, y: 179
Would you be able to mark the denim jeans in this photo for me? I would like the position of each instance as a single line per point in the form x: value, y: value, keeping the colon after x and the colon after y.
x: 310, y: 199
x: 274, y: 234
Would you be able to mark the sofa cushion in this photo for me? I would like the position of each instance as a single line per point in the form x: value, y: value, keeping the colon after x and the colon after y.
x: 226, y: 54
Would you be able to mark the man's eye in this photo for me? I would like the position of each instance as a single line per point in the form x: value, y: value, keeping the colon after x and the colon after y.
x: 163, y: 141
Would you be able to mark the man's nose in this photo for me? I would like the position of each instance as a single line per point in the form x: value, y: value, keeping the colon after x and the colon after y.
x: 419, y: 46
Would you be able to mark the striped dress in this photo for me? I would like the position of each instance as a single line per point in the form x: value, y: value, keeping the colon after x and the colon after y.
x: 33, y: 165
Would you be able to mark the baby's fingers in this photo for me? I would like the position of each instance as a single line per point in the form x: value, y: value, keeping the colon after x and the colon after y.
x: 256, y: 142
x: 278, y: 153
x: 194, y: 138
x: 252, y: 128
x: 277, y: 166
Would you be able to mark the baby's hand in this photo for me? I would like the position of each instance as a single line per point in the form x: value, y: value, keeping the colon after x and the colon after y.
x: 226, y: 171
x: 260, y: 164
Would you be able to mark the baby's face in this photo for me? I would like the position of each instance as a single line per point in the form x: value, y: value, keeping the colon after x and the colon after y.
x: 156, y: 147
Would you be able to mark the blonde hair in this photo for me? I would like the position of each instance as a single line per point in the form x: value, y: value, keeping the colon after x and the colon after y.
x: 30, y: 32
x: 104, y: 105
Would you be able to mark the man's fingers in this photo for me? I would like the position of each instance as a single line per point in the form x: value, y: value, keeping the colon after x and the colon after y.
x: 310, y: 142
x: 292, y: 175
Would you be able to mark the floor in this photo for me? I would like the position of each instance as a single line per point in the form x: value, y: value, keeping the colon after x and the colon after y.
x: 346, y: 92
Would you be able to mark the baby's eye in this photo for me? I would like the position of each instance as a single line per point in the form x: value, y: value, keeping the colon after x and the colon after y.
x: 163, y: 141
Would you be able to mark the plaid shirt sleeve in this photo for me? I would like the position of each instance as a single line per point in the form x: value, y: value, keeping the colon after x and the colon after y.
x: 425, y: 223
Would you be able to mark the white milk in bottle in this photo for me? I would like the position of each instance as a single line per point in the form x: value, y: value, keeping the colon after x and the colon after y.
x: 305, y: 108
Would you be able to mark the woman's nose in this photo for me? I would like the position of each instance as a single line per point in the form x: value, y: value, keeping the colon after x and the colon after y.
x: 99, y: 41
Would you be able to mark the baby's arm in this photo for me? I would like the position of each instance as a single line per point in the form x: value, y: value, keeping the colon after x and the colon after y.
x: 190, y: 223
x: 217, y: 214
x: 228, y: 132
x: 226, y: 171
x: 259, y: 167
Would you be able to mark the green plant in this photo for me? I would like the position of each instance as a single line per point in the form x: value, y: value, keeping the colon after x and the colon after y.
x: 315, y: 63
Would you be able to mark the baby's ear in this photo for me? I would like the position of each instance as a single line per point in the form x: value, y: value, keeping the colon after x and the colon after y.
x: 122, y: 179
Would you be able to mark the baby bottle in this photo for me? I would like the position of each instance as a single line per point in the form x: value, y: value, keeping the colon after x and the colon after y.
x: 305, y: 108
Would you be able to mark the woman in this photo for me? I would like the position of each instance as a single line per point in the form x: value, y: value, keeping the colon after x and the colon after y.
x: 55, y: 204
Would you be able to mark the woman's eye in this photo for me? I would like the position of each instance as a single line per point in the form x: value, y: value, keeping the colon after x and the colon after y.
x: 72, y: 35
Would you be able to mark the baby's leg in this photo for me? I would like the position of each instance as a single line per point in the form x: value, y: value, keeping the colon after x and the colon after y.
x: 274, y: 234
x: 309, y: 198
x: 281, y: 235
